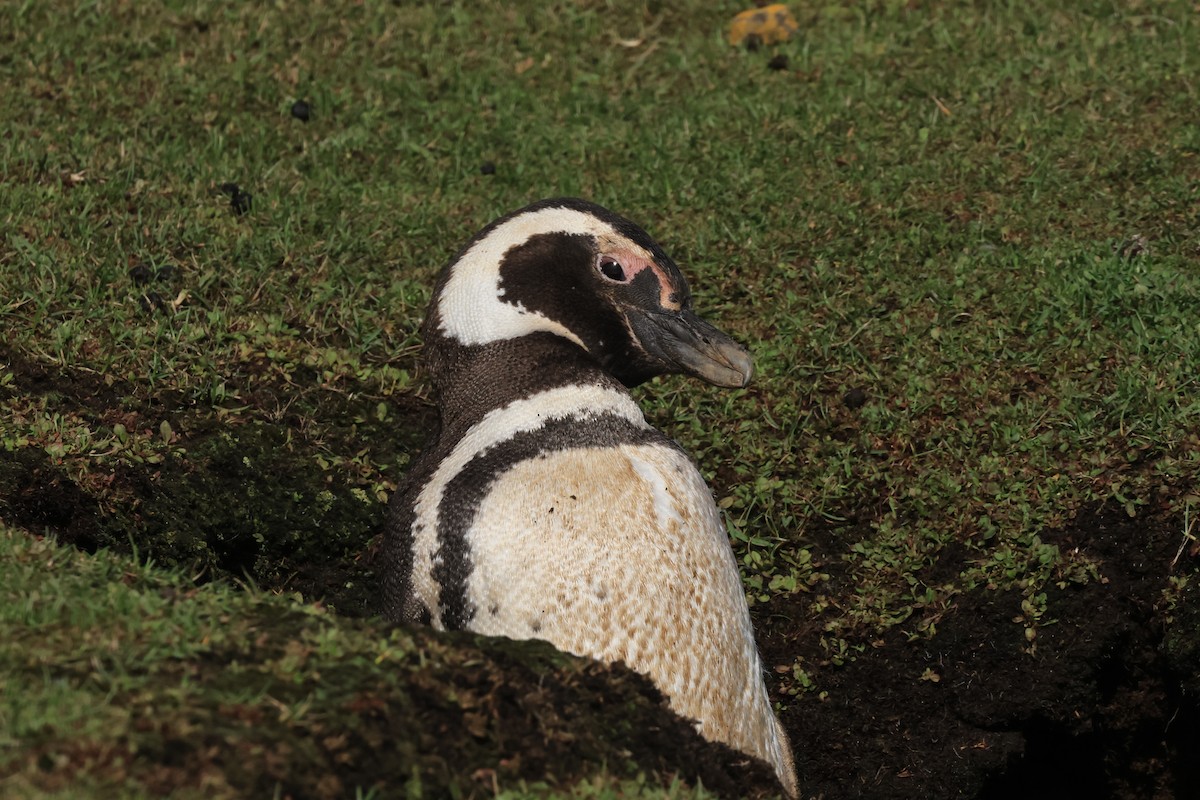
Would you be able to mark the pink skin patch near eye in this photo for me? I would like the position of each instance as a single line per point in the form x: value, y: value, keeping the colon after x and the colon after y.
x: 634, y: 264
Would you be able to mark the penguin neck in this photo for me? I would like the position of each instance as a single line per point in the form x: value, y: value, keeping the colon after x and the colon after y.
x: 471, y: 381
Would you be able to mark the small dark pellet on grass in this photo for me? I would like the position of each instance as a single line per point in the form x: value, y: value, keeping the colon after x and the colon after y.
x: 855, y: 398
x: 239, y: 201
x: 141, y: 274
x: 301, y: 111
x: 779, y: 62
x: 487, y: 168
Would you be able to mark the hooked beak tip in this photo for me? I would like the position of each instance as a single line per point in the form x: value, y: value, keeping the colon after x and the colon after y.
x: 731, y: 367
x: 695, y: 347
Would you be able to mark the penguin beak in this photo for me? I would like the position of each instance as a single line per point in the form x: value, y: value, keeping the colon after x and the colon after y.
x: 692, y: 346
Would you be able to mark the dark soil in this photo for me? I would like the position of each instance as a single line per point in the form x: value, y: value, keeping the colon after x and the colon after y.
x: 1107, y: 706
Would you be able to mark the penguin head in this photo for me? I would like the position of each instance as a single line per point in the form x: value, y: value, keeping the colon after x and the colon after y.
x: 575, y: 270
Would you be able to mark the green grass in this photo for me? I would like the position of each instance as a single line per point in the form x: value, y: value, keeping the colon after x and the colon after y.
x: 121, y: 679
x: 980, y: 215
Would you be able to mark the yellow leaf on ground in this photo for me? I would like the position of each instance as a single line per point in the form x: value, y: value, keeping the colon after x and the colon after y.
x: 771, y: 24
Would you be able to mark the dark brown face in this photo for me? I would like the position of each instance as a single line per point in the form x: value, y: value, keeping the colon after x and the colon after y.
x: 576, y: 269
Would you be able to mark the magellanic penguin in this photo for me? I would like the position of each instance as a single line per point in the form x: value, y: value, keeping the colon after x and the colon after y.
x: 547, y: 507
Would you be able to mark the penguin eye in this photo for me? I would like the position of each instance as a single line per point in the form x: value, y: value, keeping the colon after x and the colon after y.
x: 611, y: 269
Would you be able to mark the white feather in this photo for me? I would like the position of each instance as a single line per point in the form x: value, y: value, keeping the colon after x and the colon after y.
x: 497, y: 426
x: 619, y: 553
